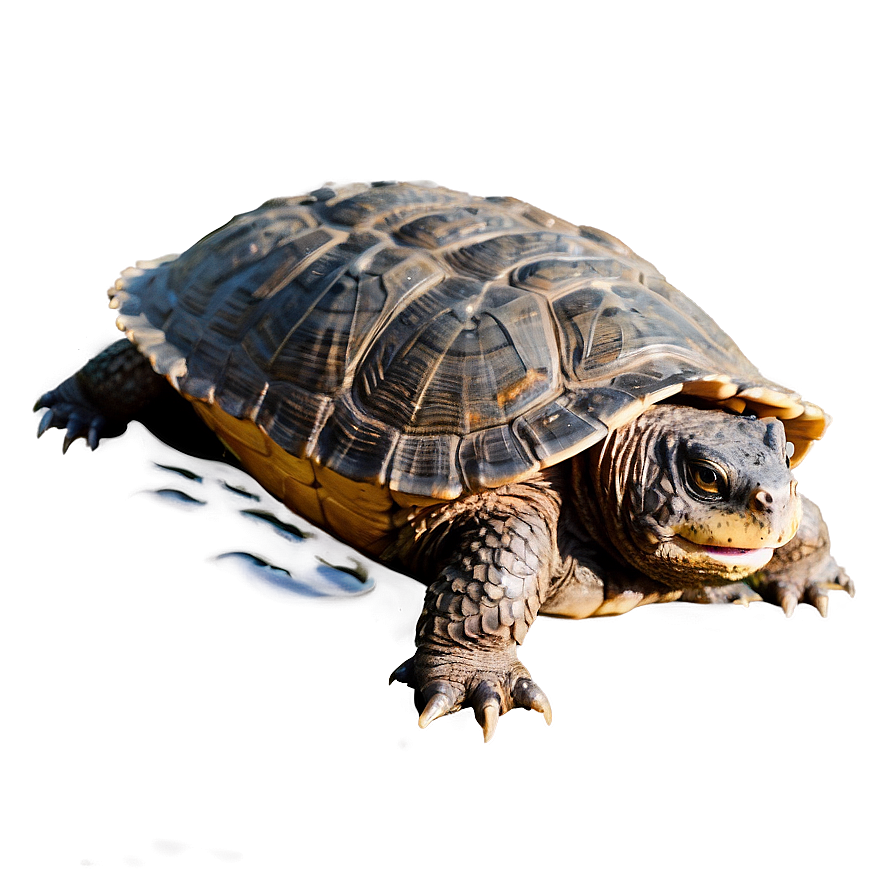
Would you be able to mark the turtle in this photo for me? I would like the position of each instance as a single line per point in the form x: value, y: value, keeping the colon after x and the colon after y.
x: 519, y: 412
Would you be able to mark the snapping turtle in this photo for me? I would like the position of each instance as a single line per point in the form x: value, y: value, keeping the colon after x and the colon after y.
x: 520, y: 412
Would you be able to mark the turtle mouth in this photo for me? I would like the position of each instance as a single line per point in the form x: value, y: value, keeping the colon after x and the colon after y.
x: 727, y: 555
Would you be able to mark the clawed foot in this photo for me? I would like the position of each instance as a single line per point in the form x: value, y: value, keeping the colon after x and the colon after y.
x: 491, y: 684
x: 69, y: 409
x: 807, y: 584
x: 787, y: 587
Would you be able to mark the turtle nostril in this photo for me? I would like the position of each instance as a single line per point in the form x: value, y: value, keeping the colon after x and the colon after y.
x: 761, y: 500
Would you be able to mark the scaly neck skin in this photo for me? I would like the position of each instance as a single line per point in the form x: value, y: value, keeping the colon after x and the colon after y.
x: 639, y: 494
x: 604, y: 480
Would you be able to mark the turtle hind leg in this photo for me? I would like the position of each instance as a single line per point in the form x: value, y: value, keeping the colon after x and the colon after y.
x: 101, y: 399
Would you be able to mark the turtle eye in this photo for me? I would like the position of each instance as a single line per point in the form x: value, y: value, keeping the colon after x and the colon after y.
x: 706, y: 478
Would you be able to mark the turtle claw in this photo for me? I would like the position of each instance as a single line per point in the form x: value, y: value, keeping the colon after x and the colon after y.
x: 789, y: 590
x: 438, y: 704
x: 488, y: 720
x: 844, y: 583
x: 74, y: 427
x: 93, y: 434
x: 69, y: 409
x: 530, y: 696
x: 78, y: 425
x: 789, y: 600
x: 43, y: 402
x: 46, y: 421
x: 445, y: 682
x: 486, y: 703
x: 404, y: 673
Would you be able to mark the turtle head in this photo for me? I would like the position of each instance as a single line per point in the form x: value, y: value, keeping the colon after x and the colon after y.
x: 693, y: 496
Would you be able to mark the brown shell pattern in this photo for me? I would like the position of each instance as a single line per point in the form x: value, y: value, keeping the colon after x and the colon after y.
x: 429, y: 341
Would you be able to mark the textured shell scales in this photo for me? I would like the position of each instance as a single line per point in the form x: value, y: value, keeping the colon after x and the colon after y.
x: 431, y: 341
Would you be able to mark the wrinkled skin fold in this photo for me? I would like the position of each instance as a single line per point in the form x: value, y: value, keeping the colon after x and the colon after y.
x: 683, y: 503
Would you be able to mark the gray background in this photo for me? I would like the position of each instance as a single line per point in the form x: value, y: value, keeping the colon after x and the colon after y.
x: 174, y: 726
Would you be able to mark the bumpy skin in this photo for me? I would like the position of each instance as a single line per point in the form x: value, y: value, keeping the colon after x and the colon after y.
x: 100, y: 399
x: 619, y: 526
x: 638, y: 500
x: 116, y: 387
x: 601, y: 536
x: 501, y: 553
x: 454, y: 379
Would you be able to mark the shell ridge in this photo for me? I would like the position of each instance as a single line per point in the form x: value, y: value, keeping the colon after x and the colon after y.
x: 622, y: 339
x: 398, y: 363
x: 466, y: 265
x: 310, y: 307
x: 387, y: 318
x: 335, y: 444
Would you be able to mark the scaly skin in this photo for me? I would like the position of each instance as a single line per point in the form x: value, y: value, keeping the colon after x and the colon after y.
x: 116, y: 387
x: 499, y: 547
x: 620, y: 527
x: 101, y: 399
x: 625, y: 524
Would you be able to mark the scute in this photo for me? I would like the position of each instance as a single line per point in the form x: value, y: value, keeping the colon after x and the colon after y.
x: 428, y: 342
x: 463, y: 357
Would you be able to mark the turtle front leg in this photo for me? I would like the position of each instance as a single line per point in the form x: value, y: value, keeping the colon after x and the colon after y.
x: 101, y: 399
x: 480, y: 606
x: 803, y: 570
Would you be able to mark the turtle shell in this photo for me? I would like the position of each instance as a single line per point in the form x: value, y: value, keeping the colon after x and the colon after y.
x: 427, y: 343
